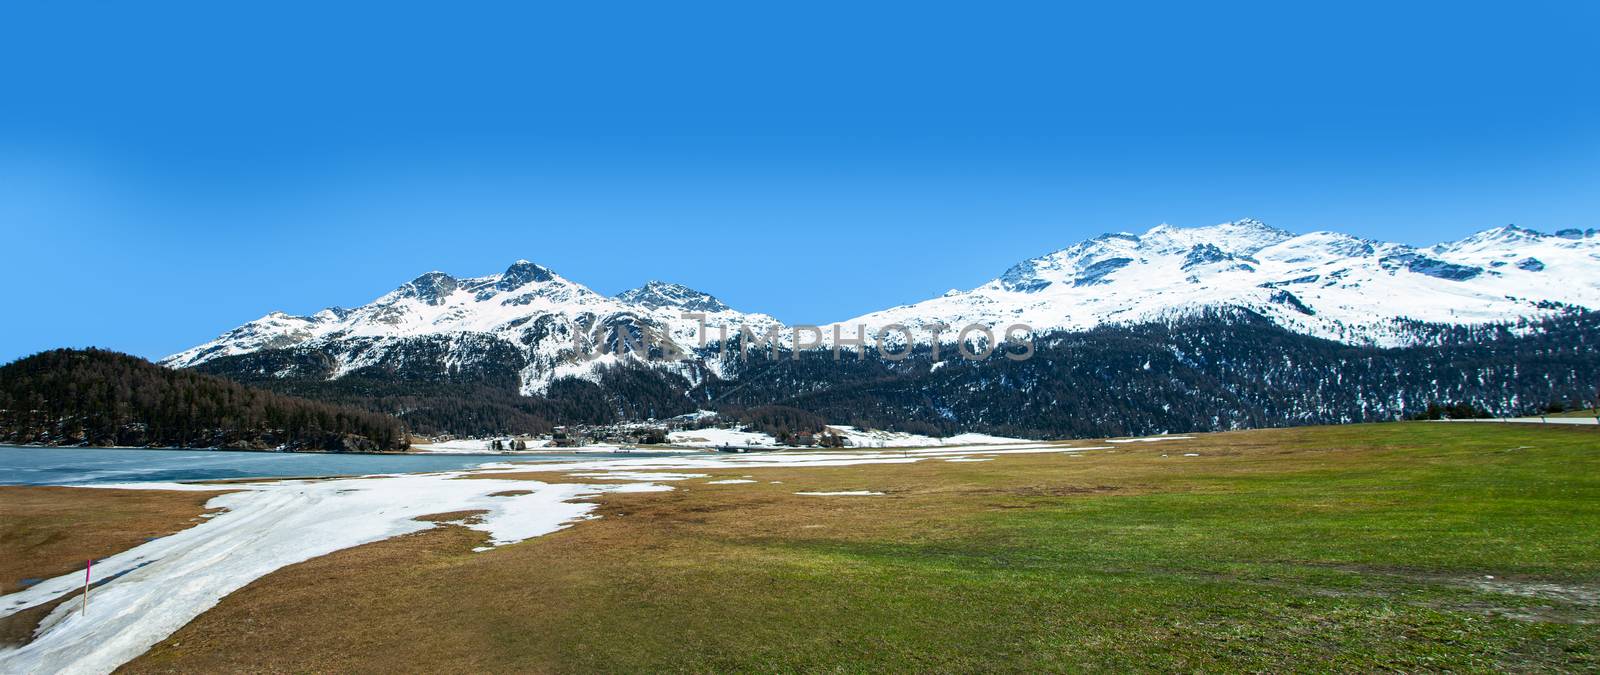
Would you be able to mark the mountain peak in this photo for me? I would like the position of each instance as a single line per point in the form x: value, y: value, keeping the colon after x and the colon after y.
x: 657, y: 294
x: 1240, y: 237
x: 1506, y: 233
x: 430, y: 288
x: 1492, y: 238
x: 522, y: 273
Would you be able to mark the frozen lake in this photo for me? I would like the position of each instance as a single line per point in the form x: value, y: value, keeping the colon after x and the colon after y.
x: 61, y: 466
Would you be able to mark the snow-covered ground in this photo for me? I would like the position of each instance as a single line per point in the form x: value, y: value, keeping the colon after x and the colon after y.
x: 859, y: 438
x: 168, y: 581
x: 468, y: 446
x: 874, y: 438
x: 1534, y: 420
x: 713, y: 437
x: 481, y: 447
x: 981, y: 439
x: 845, y: 493
x: 157, y: 587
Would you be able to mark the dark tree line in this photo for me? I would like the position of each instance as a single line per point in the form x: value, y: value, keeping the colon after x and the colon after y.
x: 784, y: 423
x: 1453, y: 411
x: 1224, y: 369
x: 478, y: 408
x: 97, y: 397
x: 1221, y: 370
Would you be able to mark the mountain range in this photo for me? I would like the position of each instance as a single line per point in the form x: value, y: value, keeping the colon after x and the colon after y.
x: 1173, y: 329
x: 1321, y: 284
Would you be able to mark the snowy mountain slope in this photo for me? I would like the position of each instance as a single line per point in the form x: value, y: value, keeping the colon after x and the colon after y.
x: 660, y: 294
x: 1323, y: 283
x: 557, y: 327
x: 544, y: 327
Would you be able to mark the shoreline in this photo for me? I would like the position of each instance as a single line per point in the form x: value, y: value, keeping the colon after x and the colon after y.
x: 587, y: 450
x: 43, y: 446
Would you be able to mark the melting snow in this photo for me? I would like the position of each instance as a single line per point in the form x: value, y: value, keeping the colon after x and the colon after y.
x: 168, y: 581
x: 847, y: 493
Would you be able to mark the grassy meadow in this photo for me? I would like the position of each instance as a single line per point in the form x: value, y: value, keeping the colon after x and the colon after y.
x: 1406, y: 546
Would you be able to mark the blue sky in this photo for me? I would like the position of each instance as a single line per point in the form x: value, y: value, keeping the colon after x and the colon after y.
x: 169, y: 172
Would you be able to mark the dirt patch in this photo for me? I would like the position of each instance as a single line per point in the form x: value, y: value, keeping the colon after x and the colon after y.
x: 1569, y: 593
x: 1058, y: 490
x: 1572, y: 603
x: 471, y: 517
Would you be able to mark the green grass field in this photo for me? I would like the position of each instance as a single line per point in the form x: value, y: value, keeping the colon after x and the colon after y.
x: 1412, y: 547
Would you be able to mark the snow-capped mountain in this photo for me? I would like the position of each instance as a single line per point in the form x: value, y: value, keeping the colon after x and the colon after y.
x: 660, y: 294
x: 544, y: 327
x: 1325, y: 284
x: 554, y: 326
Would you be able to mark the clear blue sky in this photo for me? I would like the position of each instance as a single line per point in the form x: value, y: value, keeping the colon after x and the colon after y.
x: 168, y: 173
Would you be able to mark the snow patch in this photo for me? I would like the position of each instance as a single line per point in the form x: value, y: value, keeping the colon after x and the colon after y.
x: 846, y: 493
x: 266, y: 526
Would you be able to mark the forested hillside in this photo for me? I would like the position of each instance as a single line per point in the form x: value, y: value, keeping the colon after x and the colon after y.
x: 469, y: 403
x: 103, y: 398
x: 1224, y: 369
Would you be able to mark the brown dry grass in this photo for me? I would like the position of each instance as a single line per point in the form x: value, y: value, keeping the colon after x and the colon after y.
x: 1111, y: 560
x: 471, y: 516
x: 50, y: 531
x: 389, y: 606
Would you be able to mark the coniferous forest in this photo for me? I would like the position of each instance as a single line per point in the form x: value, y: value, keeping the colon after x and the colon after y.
x: 1213, y: 371
x: 104, y: 398
x: 1216, y: 371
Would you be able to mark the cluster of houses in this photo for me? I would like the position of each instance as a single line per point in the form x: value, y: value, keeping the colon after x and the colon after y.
x: 631, y: 433
x: 647, y: 432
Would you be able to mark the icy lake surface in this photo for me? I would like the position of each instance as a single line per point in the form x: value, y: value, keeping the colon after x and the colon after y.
x: 62, y: 466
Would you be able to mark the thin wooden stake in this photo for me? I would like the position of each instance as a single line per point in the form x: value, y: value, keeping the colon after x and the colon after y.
x: 87, y: 566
